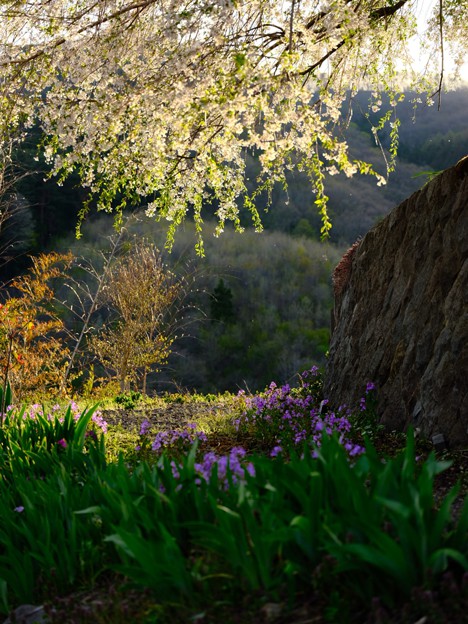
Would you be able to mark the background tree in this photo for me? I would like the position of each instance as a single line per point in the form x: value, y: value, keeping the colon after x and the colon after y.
x: 221, y: 306
x: 159, y: 105
x: 82, y: 297
x: 141, y: 293
x: 16, y: 227
x: 32, y: 351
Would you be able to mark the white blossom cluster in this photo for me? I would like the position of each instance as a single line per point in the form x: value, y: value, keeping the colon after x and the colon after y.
x: 158, y: 102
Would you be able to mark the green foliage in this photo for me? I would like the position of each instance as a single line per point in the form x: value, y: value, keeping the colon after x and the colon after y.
x: 365, y: 421
x: 128, y: 400
x: 281, y: 293
x: 312, y: 524
x: 121, y: 441
x: 429, y: 175
x: 194, y: 397
x: 44, y: 464
x: 63, y: 201
x: 174, y: 397
x: 34, y: 445
x: 6, y: 398
x: 440, y: 149
x: 221, y: 305
x: 42, y: 541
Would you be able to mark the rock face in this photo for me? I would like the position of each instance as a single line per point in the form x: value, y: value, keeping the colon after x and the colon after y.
x: 401, y: 313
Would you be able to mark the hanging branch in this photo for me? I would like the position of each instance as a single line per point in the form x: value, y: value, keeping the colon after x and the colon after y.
x: 441, y: 33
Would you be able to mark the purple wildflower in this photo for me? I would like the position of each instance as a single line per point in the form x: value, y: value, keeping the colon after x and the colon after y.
x: 144, y: 427
x: 223, y: 463
x: 99, y: 421
x: 175, y: 470
x: 250, y: 468
x: 287, y: 417
x: 174, y: 437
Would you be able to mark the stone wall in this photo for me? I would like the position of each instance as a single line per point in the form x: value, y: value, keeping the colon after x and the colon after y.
x: 401, y: 313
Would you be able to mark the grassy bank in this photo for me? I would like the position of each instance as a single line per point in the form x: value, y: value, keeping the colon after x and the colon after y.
x: 267, y: 508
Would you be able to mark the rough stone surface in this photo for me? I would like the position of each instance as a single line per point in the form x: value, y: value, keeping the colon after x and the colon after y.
x: 401, y: 313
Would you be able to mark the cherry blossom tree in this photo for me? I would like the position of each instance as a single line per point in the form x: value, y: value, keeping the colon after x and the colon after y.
x: 158, y: 102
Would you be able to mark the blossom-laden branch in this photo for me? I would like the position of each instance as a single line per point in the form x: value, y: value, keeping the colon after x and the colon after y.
x: 157, y: 102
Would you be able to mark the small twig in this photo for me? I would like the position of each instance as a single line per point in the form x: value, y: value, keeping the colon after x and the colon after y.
x: 441, y: 32
x: 291, y: 27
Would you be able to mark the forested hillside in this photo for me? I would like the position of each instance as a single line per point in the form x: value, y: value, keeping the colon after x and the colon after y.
x: 268, y: 314
x: 258, y: 307
x: 430, y: 140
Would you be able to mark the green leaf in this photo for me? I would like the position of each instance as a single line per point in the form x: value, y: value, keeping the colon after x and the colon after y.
x: 399, y: 508
x: 429, y: 174
x: 122, y: 543
x: 239, y: 60
x: 4, y: 595
x: 391, y: 562
x: 82, y: 425
x: 190, y: 461
x: 438, y: 561
x: 94, y: 509
x: 409, y: 458
x: 459, y: 535
x: 229, y: 511
x: 442, y: 518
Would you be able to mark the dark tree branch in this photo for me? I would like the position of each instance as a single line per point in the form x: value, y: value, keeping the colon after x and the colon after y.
x: 387, y: 11
x: 291, y: 27
x: 307, y: 72
x: 376, y: 15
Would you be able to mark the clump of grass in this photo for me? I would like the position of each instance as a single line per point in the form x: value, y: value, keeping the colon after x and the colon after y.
x: 128, y: 400
x: 121, y: 442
